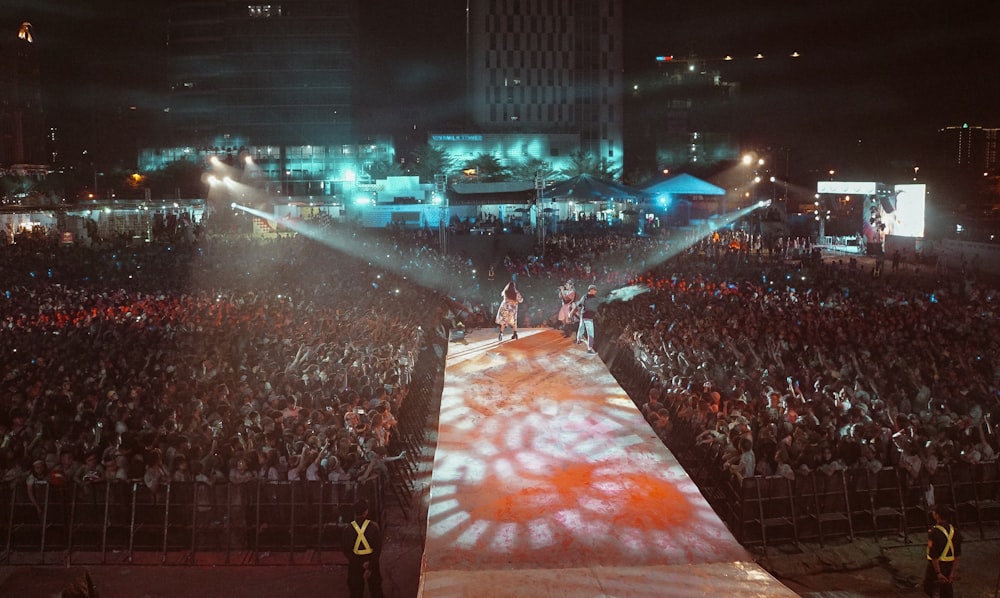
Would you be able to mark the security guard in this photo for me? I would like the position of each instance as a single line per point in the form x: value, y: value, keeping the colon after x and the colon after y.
x: 362, y: 545
x: 944, y: 546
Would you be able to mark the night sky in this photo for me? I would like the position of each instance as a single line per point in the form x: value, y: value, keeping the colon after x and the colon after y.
x: 876, y: 77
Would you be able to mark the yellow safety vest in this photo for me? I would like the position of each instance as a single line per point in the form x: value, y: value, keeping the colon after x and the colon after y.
x: 948, y: 554
x: 361, y: 545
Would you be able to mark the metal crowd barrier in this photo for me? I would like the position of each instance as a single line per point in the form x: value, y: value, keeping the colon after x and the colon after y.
x: 822, y: 507
x: 199, y: 523
x: 409, y: 437
x: 181, y: 523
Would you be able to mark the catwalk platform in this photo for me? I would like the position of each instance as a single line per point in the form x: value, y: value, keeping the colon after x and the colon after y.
x: 547, y: 481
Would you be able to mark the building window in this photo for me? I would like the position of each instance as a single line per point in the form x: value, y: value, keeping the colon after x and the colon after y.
x: 263, y: 11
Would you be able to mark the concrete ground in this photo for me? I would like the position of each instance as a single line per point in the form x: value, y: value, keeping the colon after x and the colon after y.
x: 870, y: 569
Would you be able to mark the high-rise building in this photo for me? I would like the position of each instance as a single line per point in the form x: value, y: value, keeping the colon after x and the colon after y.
x: 22, y: 123
x: 274, y: 81
x: 278, y: 73
x: 548, y: 66
x: 970, y: 148
x: 683, y: 114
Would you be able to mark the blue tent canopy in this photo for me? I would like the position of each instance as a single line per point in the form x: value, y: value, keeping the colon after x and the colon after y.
x: 684, y: 184
x: 585, y: 187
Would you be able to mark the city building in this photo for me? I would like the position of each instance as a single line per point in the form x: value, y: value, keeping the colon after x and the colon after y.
x: 682, y: 113
x: 272, y: 82
x: 545, y: 69
x: 22, y: 122
x: 971, y: 148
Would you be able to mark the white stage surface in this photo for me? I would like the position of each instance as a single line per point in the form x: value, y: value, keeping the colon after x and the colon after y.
x: 547, y: 481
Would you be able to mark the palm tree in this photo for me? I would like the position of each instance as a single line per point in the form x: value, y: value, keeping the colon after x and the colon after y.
x: 427, y: 161
x: 14, y: 187
x: 487, y: 168
x: 583, y: 162
x: 530, y: 168
x: 383, y: 169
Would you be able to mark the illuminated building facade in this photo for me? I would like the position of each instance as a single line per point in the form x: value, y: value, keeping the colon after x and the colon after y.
x: 683, y: 114
x: 273, y: 81
x: 22, y: 123
x: 551, y: 67
x: 971, y: 148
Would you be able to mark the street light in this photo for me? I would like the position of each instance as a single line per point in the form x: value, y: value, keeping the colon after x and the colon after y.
x: 540, y: 204
x: 441, y: 195
x: 821, y: 216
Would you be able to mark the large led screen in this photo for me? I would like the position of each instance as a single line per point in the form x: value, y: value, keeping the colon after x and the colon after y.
x: 908, y: 216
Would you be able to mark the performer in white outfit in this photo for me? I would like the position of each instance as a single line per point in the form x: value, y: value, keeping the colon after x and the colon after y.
x: 567, y: 316
x: 510, y: 298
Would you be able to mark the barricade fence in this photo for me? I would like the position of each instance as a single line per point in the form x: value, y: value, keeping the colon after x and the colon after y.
x: 825, y: 505
x: 819, y: 505
x: 283, y: 522
x: 409, y: 438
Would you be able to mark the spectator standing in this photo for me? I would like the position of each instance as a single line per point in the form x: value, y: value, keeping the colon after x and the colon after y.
x: 36, y: 481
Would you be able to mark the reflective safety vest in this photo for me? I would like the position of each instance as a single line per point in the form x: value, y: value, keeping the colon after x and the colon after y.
x: 361, y: 545
x: 948, y: 554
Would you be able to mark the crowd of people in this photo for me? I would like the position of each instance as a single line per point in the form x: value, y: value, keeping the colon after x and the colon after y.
x: 780, y: 362
x: 227, y: 359
x: 782, y: 368
x: 231, y: 359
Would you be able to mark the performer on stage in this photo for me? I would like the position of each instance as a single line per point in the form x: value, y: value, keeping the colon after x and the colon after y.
x: 507, y: 314
x: 566, y: 317
x: 588, y: 309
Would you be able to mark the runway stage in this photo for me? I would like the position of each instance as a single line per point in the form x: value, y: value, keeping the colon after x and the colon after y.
x: 547, y: 481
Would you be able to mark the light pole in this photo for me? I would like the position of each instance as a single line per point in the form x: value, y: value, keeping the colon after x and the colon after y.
x: 755, y: 165
x: 441, y: 188
x: 822, y: 215
x: 540, y: 206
